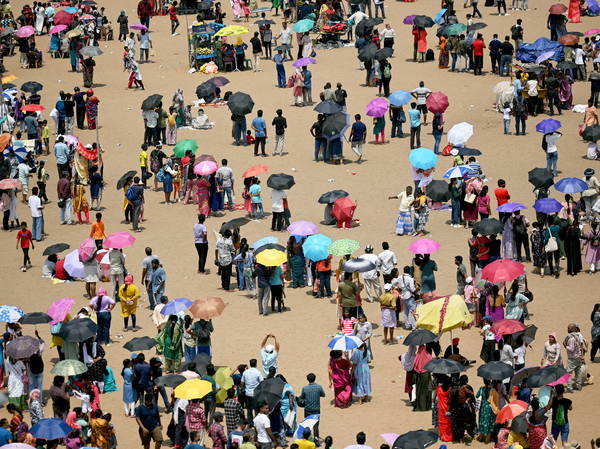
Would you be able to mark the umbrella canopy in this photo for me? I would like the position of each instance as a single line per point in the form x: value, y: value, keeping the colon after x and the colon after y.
x: 335, y: 125
x: 345, y: 342
x: 11, y: 183
x: 437, y: 102
x: 56, y: 248
x: 511, y: 207
x: 125, y: 179
x: 460, y: 133
x: 232, y: 30
x: 69, y: 367
x: 507, y: 327
x: 308, y: 422
x: 73, y: 265
x: 415, y: 439
x: 73, y: 33
x: 545, y: 376
x: 207, y: 308
x: 523, y: 374
x: 540, y: 177
x: 275, y: 246
x: 571, y: 185
x: 151, y: 102
x: 58, y: 28
x: 438, y: 191
x: 31, y: 87
x: 302, y: 26
x: 240, y: 103
x: 419, y: 337
x: 557, y: 8
x: 7, y: 31
x: 476, y: 26
x: 269, y: 391
x: 50, y: 429
x: 176, y: 306
x: 119, y: 240
x: 547, y: 206
x: 170, y: 380
x: 78, y: 330
x: 568, y: 39
x: 219, y: 81
x: 25, y: 31
x: 423, y: 158
x: 281, y: 181
x: 10, y: 314
x: 489, y: 226
x: 423, y: 21
x: 511, y: 411
x: 328, y: 107
x: 315, y: 247
x: 566, y: 65
x: 32, y: 108
x: 592, y: 32
x: 455, y: 29
x: 503, y: 270
x: 548, y: 125
x: 444, y: 314
x: 183, y: 146
x: 400, y: 98
x: 86, y: 249
x: 331, y: 196
x: 303, y: 62
x: 271, y: 257
x: 234, y: 224
x: 90, y: 51
x: 495, y: 371
x: 343, y: 208
x: 444, y: 366
x: 457, y: 172
x: 424, y: 246
x: 255, y: 170
x: 206, y: 89
x: 377, y: 107
x: 303, y: 228
x: 58, y: 310
x: 263, y: 22
x: 199, y: 363
x: 205, y: 168
x: 409, y: 20
x: 383, y: 53
x: 140, y: 344
x: 367, y: 52
x: 591, y: 133
x: 264, y: 241
x: 343, y: 247
x: 358, y: 265
x: 193, y: 389
x: 544, y: 56
x: 22, y: 347
x: 35, y: 318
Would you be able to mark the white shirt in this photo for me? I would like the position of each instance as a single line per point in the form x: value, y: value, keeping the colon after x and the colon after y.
x: 507, y: 355
x: 406, y: 283
x: 520, y: 355
x: 388, y: 33
x: 579, y: 53
x: 147, y: 265
x: 286, y: 38
x: 251, y: 378
x: 487, y: 332
x: 23, y: 170
x: 532, y: 88
x: 357, y: 17
x: 373, y: 258
x: 277, y: 197
x: 422, y: 93
x: 34, y: 204
x: 551, y: 142
x: 261, y: 424
x: 225, y: 174
x: 506, y: 113
x: 405, y: 201
x: 388, y: 261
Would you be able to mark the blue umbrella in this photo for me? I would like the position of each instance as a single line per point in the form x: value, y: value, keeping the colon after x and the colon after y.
x: 345, y: 342
x: 547, y: 206
x: 511, y: 207
x: 308, y: 423
x: 319, y: 239
x: 315, y: 247
x: 571, y: 185
x: 457, y: 172
x: 439, y: 15
x: 423, y: 158
x: 50, y: 429
x: 264, y: 241
x: 176, y: 306
x: 71, y: 10
x: 20, y: 153
x: 400, y: 98
x: 548, y: 126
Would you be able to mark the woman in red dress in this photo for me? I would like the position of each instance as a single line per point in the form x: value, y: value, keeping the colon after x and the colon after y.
x: 443, y: 394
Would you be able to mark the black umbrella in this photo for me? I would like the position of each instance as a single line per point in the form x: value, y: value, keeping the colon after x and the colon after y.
x: 200, y: 362
x: 495, y: 371
x: 269, y: 391
x: 35, y: 318
x: 465, y: 151
x: 357, y: 2
x: 266, y: 246
x: 334, y: 125
x: 384, y: 53
x: 528, y: 334
x: 444, y: 366
x: 523, y: 373
x: 240, y: 103
x: 206, y: 89
x: 545, y: 376
x: 219, y: 81
x: 415, y: 439
x: 476, y: 26
x: 204, y: 6
x: 489, y: 226
x: 358, y: 265
x: 78, y: 330
x: 419, y: 337
x: 88, y: 2
x: 367, y: 53
x: 281, y: 181
x: 567, y: 65
x: 123, y: 179
x: 170, y: 380
x: 283, y: 47
x: 263, y: 22
x: 140, y: 344
x: 328, y: 107
x: 591, y: 133
x: 438, y: 191
x: 331, y: 196
x: 31, y: 87
x: 90, y: 51
x: 423, y: 22
x: 22, y: 347
x: 56, y: 248
x: 151, y: 102
x: 365, y: 24
x: 235, y: 223
x: 519, y: 423
x: 541, y: 178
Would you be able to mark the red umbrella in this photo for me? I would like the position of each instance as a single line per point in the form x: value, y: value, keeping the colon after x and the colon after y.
x: 255, y: 170
x: 89, y: 153
x: 511, y: 411
x: 557, y: 8
x: 507, y: 327
x: 437, y: 102
x: 568, y: 39
x: 343, y: 208
x: 503, y: 270
x: 63, y: 18
x: 32, y: 108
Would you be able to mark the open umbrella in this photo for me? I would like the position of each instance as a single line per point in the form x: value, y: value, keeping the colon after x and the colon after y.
x: 175, y: 306
x: 10, y: 314
x: 557, y: 8
x: 409, y: 20
x: 358, y: 265
x: 275, y: 246
x: 240, y: 103
x: 437, y: 102
x: 424, y: 246
x: 591, y: 133
x: 139, y: 27
x: 547, y: 206
x: 328, y: 107
x: 343, y: 247
x: 193, y: 389
x: 541, y: 177
x: 415, y: 439
x: 219, y: 81
x: 511, y: 207
x: 460, y: 133
x: 264, y: 241
x: 455, y: 29
x: 503, y: 270
x: 545, y: 376
x: 476, y: 26
x: 304, y: 25
x: 25, y: 31
x: 345, y: 342
x: 343, y: 208
x: 489, y: 226
x: 331, y: 196
x: 73, y: 265
x: 10, y: 183
x: 383, y: 53
x: 438, y: 191
x: 592, y: 32
x: 151, y: 102
x: 73, y: 33
x: 269, y: 391
x: 119, y: 240
x: 183, y: 146
x: 444, y: 366
x: 35, y: 318
x: 255, y: 170
x: 56, y: 248
x: 50, y: 429
x: 207, y: 308
x: 264, y: 22
x: 367, y: 52
x: 125, y: 178
x: 69, y: 367
x: 58, y: 28
x: 400, y: 98
x: 58, y: 310
x: 271, y: 257
x: 303, y: 228
x: 140, y: 344
x: 523, y: 374
x: 566, y: 65
x: 544, y: 56
x: 205, y: 168
x: 234, y: 224
x: 444, y: 314
x: 335, y: 125
x: 507, y: 327
x: 511, y: 411
x: 206, y: 89
x: 31, y: 87
x: 568, y: 39
x: 571, y: 185
x: 423, y: 158
x: 457, y: 172
x: 315, y: 247
x: 419, y: 337
x: 303, y: 62
x: 548, y: 125
x: 232, y: 30
x: 170, y: 380
x: 423, y: 21
x: 86, y: 249
x: 90, y: 51
x: 78, y: 330
x: 22, y: 347
x: 32, y: 108
x: 308, y: 422
x: 377, y: 107
x: 281, y: 181
x: 495, y: 371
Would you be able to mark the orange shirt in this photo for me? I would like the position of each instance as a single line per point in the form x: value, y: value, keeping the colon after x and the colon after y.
x: 97, y: 232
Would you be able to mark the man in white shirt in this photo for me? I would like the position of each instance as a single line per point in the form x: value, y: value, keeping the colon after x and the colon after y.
x: 225, y: 177
x: 421, y: 93
x: 371, y: 278
x: 388, y: 262
x: 285, y: 38
x: 408, y: 289
x: 262, y: 424
x: 277, y: 197
x: 552, y: 151
x: 250, y: 380
x: 580, y: 61
x: 24, y: 173
x: 387, y: 34
x: 404, y: 221
x: 37, y: 216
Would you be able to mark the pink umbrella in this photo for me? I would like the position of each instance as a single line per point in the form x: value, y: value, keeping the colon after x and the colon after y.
x: 424, y: 246
x: 25, y: 31
x: 437, y: 102
x: 592, y: 32
x: 86, y: 249
x: 303, y: 228
x: 138, y: 26
x: 70, y: 139
x: 205, y: 168
x: 390, y: 438
x: 58, y: 28
x: 377, y: 107
x: 58, y: 310
x: 119, y: 240
x: 502, y: 270
x: 561, y: 381
x: 87, y: 17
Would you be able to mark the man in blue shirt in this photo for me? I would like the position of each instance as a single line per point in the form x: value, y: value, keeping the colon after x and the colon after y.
x: 307, y: 89
x: 279, y: 58
x: 358, y: 136
x: 259, y: 125
x: 62, y: 113
x: 5, y: 435
x: 494, y: 47
x: 61, y: 151
x: 415, y: 125
x: 148, y: 420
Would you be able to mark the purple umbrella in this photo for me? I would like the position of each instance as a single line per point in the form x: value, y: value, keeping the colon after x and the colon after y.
x: 511, y: 207
x: 303, y: 228
x: 547, y: 206
x: 138, y: 26
x: 303, y: 62
x: 377, y: 107
x: 544, y: 56
x: 409, y: 20
x: 548, y: 126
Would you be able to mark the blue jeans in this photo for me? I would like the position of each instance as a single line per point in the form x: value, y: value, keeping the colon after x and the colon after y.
x: 36, y: 228
x: 257, y: 210
x: 229, y: 194
x: 506, y: 126
x: 552, y: 162
x: 145, y: 21
x: 563, y: 431
x: 455, y: 212
x: 239, y: 133
x: 240, y: 275
x: 410, y: 306
x: 436, y: 145
x: 454, y: 59
x: 325, y: 279
x: 520, y: 123
x: 36, y: 381
x: 189, y: 352
x: 505, y: 61
x: 103, y: 319
x: 378, y: 7
x: 397, y: 128
x: 281, y: 82
x: 320, y: 144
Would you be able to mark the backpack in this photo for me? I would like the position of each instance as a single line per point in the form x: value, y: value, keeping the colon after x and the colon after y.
x: 387, y: 71
x: 131, y: 194
x: 520, y: 227
x: 340, y: 95
x: 154, y: 164
x: 516, y: 32
x: 544, y: 143
x: 429, y: 56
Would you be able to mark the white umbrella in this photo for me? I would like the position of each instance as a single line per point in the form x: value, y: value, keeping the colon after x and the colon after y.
x: 73, y: 266
x: 460, y: 133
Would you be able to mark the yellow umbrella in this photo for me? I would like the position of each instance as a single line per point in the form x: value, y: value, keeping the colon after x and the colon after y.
x: 193, y: 389
x: 444, y: 314
x: 74, y: 33
x: 271, y: 257
x: 232, y: 30
x: 224, y: 380
x: 8, y: 78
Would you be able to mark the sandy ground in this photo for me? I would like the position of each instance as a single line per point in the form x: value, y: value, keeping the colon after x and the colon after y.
x: 304, y: 330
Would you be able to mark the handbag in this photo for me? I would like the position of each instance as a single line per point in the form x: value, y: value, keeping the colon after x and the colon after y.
x: 61, y: 203
x: 470, y: 198
x: 551, y: 245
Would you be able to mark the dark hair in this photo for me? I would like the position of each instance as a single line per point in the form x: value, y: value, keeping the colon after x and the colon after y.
x: 253, y: 363
x: 311, y: 377
x: 361, y: 438
x: 459, y: 259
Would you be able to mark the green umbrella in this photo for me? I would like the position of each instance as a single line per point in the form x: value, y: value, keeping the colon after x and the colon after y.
x: 69, y: 367
x: 342, y: 247
x: 302, y: 26
x: 185, y: 145
x: 455, y: 29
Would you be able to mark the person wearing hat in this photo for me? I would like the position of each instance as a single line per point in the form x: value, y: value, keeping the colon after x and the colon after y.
x: 129, y: 295
x: 371, y: 277
x: 269, y: 353
x: 590, y: 195
x: 387, y: 302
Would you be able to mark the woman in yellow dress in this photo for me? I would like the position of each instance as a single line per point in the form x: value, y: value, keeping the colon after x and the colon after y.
x: 129, y: 295
x: 80, y: 202
x: 102, y: 430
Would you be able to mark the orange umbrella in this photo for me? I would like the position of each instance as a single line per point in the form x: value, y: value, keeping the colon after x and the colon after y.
x: 32, y: 108
x: 511, y: 411
x: 255, y: 170
x: 89, y: 153
x: 343, y: 208
x: 568, y: 39
x: 207, y: 308
x: 4, y: 140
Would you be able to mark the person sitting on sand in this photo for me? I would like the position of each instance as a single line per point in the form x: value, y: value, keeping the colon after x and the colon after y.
x: 202, y: 121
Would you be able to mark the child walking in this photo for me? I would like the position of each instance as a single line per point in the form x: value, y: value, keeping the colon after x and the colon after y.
x: 506, y: 110
x: 25, y: 239
x: 177, y: 177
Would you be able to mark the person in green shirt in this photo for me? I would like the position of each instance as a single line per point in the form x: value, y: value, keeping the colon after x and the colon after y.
x: 161, y: 126
x: 347, y: 295
x: 210, y: 398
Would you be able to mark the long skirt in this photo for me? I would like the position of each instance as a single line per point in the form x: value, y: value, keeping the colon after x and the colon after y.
x: 171, y: 135
x: 423, y: 395
x: 404, y: 224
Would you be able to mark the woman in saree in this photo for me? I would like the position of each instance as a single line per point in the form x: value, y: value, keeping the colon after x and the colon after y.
x: 340, y: 378
x: 574, y: 11
x: 487, y: 418
x: 169, y: 344
x: 565, y: 91
x: 361, y: 373
x: 443, y: 394
x: 444, y: 54
x: 236, y: 9
x: 216, y: 198
x: 422, y: 380
x: 80, y: 202
x: 101, y: 430
x: 87, y: 70
x: 179, y: 107
x: 296, y: 258
x: 91, y: 109
x: 461, y: 401
x: 536, y: 425
x: 494, y: 306
x: 247, y: 200
x: 288, y: 407
x: 202, y: 195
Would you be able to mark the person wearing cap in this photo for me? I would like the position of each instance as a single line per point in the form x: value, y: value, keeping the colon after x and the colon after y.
x: 387, y: 303
x: 371, y: 277
x: 129, y: 295
x: 269, y: 353
x: 103, y: 304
